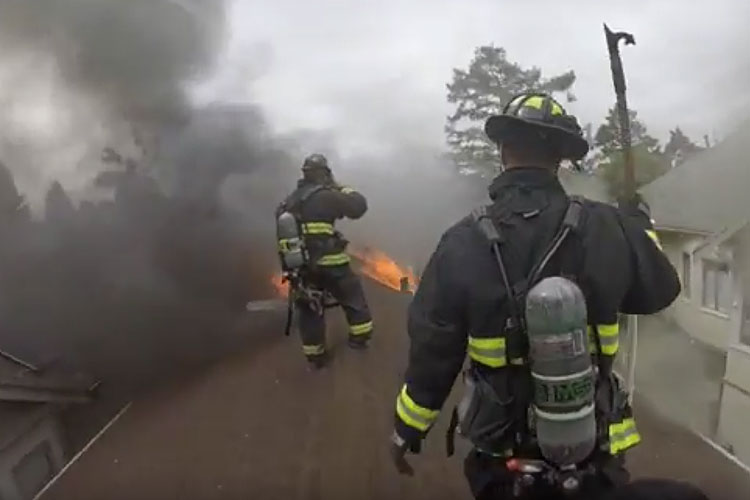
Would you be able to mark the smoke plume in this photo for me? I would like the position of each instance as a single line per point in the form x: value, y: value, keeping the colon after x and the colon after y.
x: 140, y: 261
x: 81, y: 74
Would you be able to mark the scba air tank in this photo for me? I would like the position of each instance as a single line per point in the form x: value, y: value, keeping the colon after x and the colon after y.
x: 563, y: 401
x: 291, y: 244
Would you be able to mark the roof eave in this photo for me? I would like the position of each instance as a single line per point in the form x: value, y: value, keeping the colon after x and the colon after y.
x: 677, y: 229
x: 43, y: 395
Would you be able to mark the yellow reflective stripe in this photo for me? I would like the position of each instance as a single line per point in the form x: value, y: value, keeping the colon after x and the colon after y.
x: 623, y: 435
x: 336, y: 259
x: 655, y: 237
x: 313, y: 350
x: 609, y: 338
x: 535, y: 102
x: 412, y: 414
x: 557, y: 109
x: 488, y: 351
x: 348, y: 190
x: 361, y: 329
x: 317, y: 228
x: 612, y: 330
x: 284, y: 245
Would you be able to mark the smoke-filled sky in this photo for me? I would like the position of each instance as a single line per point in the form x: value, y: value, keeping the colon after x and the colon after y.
x: 368, y: 77
x: 376, y: 71
x: 75, y: 73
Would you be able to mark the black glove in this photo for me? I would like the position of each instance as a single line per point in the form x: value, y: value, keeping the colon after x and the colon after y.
x: 399, y: 448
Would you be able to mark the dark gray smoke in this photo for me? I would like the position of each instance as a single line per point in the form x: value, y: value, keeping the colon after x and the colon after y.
x: 148, y: 279
x: 137, y: 55
x: 79, y: 75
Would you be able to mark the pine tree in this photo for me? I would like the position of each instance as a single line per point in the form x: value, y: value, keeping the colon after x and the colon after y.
x: 481, y: 91
x: 679, y: 147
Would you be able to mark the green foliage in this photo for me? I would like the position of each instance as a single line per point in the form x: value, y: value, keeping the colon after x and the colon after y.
x: 482, y: 91
x: 648, y: 159
x: 679, y: 147
x: 649, y: 165
x: 607, y: 136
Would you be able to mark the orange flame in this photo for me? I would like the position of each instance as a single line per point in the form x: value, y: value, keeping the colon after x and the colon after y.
x: 282, y: 289
x: 378, y: 266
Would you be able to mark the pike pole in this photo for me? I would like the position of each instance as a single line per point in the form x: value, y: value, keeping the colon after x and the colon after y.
x: 618, y: 78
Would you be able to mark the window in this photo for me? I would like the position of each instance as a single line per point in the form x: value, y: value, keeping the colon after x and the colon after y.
x: 34, y: 471
x: 716, y: 286
x: 687, y: 271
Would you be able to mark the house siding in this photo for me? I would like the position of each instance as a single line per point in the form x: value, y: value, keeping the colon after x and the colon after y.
x: 735, y: 404
x: 710, y: 327
x: 735, y: 399
x: 45, y: 431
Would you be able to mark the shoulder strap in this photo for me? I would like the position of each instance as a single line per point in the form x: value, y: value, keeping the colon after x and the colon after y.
x: 572, y: 261
x: 306, y: 195
x: 299, y: 197
x: 489, y: 229
x: 571, y: 223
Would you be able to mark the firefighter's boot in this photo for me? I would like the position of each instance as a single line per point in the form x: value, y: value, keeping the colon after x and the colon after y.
x: 358, y: 343
x: 317, y: 362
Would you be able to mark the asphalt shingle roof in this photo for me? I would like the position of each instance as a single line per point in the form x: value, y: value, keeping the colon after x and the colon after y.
x: 708, y: 193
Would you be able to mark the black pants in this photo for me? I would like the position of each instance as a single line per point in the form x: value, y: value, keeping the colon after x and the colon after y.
x: 490, y: 480
x: 346, y: 288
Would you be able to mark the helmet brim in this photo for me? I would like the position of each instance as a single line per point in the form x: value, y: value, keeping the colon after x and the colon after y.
x: 500, y: 127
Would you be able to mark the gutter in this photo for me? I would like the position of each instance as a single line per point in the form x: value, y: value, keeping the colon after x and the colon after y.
x: 18, y: 361
x: 677, y: 229
x: 721, y: 236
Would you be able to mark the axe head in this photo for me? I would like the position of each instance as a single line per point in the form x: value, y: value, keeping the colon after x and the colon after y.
x: 614, y: 38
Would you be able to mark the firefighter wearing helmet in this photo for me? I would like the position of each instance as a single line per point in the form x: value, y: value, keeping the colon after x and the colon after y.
x: 313, y: 257
x: 530, y: 288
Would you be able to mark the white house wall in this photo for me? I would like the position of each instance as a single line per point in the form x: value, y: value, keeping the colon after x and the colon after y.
x: 735, y: 403
x: 735, y: 399
x: 709, y: 327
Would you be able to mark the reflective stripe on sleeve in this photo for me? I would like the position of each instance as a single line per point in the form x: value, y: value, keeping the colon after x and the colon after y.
x: 412, y: 414
x: 336, y: 259
x: 622, y: 436
x: 361, y: 328
x: 348, y: 190
x: 488, y: 351
x: 654, y: 237
x: 318, y: 228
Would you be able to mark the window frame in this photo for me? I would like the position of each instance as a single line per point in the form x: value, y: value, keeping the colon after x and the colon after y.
x: 714, y: 288
x: 687, y: 274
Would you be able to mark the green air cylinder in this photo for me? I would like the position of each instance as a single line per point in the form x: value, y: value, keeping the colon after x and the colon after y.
x: 561, y: 368
x: 291, y: 245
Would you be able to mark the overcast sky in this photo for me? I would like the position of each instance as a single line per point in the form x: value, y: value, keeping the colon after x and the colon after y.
x: 375, y: 71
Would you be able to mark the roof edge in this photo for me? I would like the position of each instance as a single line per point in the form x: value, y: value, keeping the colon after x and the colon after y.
x: 678, y: 229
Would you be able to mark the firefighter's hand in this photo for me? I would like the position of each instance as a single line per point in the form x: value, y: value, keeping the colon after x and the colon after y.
x: 399, y: 448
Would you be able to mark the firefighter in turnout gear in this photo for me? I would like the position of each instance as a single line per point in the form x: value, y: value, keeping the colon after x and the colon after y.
x: 530, y: 287
x: 315, y: 206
